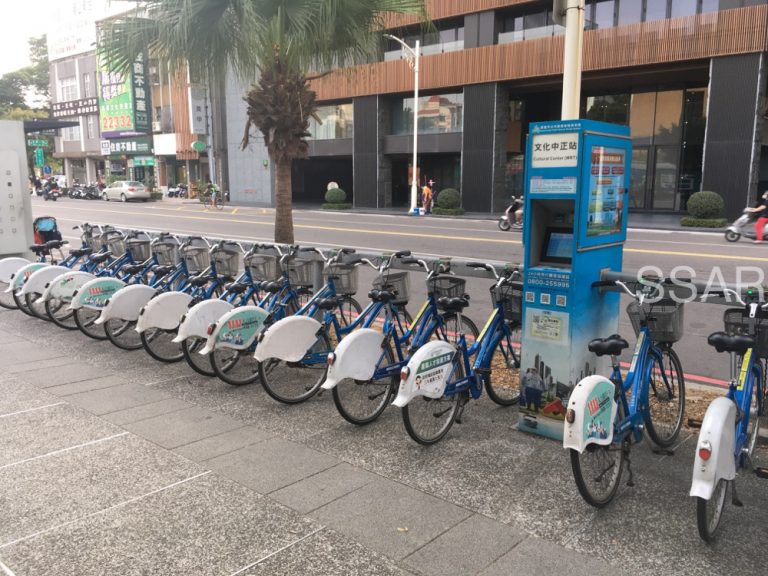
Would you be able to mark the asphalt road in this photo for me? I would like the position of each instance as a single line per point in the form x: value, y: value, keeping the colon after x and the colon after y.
x: 705, y: 255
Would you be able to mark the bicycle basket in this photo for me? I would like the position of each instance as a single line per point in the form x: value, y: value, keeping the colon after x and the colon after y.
x: 166, y: 252
x: 446, y: 286
x: 227, y: 261
x: 344, y: 278
x: 196, y: 258
x: 396, y: 282
x: 510, y: 296
x: 115, y: 242
x: 665, y: 319
x: 737, y: 323
x: 300, y: 272
x: 139, y: 249
x: 263, y: 267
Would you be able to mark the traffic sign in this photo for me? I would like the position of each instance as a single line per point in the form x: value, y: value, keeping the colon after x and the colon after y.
x: 47, y: 170
x: 198, y: 145
x: 38, y: 143
x: 39, y: 157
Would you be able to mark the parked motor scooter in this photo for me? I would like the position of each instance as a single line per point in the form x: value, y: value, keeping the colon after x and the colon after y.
x: 508, y: 220
x: 744, y: 225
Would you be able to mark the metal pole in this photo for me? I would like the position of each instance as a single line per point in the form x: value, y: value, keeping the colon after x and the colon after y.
x: 574, y: 41
x: 414, y: 176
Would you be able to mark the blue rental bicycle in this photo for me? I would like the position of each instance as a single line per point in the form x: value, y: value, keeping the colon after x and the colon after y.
x: 651, y: 398
x: 731, y: 424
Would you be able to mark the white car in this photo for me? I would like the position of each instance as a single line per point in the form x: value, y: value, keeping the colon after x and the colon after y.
x: 125, y: 190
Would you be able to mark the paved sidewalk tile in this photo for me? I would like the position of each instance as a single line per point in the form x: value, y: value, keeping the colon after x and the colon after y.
x: 182, y: 427
x: 206, y: 527
x: 466, y: 548
x: 536, y: 557
x: 39, y: 432
x: 23, y: 350
x: 86, y: 385
x: 46, y: 377
x: 272, y: 464
x: 390, y: 518
x: 322, y: 488
x: 326, y: 553
x: 15, y: 396
x: 63, y: 487
x: 116, y: 398
x: 23, y: 365
x: 222, y: 443
x: 146, y: 411
x: 9, y: 337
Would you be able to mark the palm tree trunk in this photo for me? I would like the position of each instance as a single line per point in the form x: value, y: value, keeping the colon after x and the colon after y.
x: 283, y: 198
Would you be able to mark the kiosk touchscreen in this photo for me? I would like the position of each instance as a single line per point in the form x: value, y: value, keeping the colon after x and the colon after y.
x: 577, y: 182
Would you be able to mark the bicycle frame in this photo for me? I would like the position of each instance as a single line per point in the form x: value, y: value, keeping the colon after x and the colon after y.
x: 740, y: 392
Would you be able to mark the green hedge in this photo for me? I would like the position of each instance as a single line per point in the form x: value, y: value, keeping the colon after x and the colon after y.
x: 706, y: 205
x: 448, y: 198
x: 692, y: 222
x: 335, y: 196
x: 156, y: 195
x: 447, y: 211
x: 336, y: 205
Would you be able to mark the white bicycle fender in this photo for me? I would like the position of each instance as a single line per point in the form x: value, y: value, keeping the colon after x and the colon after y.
x: 127, y: 303
x: 237, y: 329
x: 594, y: 410
x: 288, y: 339
x: 64, y: 286
x: 39, y: 279
x: 718, y: 429
x: 9, y: 266
x: 355, y: 357
x: 428, y: 370
x: 164, y: 311
x: 22, y: 274
x: 198, y: 318
x: 95, y: 293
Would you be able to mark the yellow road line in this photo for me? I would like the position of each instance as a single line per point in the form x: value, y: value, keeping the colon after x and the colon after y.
x: 235, y: 210
x: 698, y: 255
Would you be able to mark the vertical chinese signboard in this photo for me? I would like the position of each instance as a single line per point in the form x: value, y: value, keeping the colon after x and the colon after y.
x: 123, y: 101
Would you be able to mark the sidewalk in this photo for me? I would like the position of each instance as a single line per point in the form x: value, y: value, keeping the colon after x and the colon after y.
x: 112, y: 464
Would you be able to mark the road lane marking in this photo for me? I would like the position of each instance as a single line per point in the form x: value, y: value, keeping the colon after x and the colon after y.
x: 235, y: 210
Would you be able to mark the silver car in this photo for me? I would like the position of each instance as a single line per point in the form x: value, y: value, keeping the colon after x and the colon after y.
x: 125, y: 190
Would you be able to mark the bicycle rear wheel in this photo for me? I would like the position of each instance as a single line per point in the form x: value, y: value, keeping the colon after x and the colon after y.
x: 503, y: 382
x: 201, y: 364
x: 85, y: 319
x: 294, y: 382
x: 666, y: 399
x: 597, y: 470
x: 361, y: 402
x: 58, y: 311
x: 159, y: 344
x: 710, y: 512
x: 235, y: 367
x: 38, y: 310
x: 21, y: 304
x: 122, y: 333
x: 6, y: 298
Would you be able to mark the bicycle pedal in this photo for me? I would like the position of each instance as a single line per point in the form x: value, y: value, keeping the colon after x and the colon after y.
x: 761, y: 472
x: 694, y: 423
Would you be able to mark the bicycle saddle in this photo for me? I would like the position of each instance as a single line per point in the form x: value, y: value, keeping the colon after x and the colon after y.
x: 39, y: 249
x: 237, y: 287
x: 132, y: 269
x: 738, y: 343
x: 271, y: 287
x: 54, y: 244
x: 455, y: 304
x: 162, y: 270
x: 329, y: 303
x: 199, y: 280
x: 381, y: 296
x: 613, y: 345
x: 99, y: 258
x: 80, y: 252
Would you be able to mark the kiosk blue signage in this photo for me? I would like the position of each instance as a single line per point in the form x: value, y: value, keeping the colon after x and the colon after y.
x: 575, y: 207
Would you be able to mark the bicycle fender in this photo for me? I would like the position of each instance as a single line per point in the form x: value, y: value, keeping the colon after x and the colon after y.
x: 355, y: 357
x: 23, y: 273
x: 288, y: 339
x: 198, y: 318
x: 40, y: 278
x: 127, y: 303
x: 590, y: 415
x: 95, y: 293
x: 719, y: 430
x: 428, y: 370
x: 65, y: 285
x: 237, y: 329
x: 9, y: 266
x: 164, y: 311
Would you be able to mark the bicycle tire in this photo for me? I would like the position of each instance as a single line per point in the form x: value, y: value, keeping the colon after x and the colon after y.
x: 506, y: 392
x: 710, y: 512
x: 6, y: 298
x: 599, y: 453
x: 21, y: 304
x: 665, y: 418
x: 190, y: 348
x: 38, y: 310
x: 452, y: 332
x: 428, y: 420
x: 159, y: 344
x: 235, y: 367
x: 122, y: 334
x: 85, y: 318
x: 349, y: 310
x: 361, y: 402
x: 60, y: 314
x: 276, y: 375
x: 755, y: 412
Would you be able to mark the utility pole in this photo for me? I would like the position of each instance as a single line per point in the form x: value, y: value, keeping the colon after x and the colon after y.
x: 570, y: 13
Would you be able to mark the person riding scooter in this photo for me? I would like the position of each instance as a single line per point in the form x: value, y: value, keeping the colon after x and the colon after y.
x: 761, y: 211
x: 513, y: 215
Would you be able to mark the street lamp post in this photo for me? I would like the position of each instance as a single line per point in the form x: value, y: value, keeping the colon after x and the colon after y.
x: 412, y: 56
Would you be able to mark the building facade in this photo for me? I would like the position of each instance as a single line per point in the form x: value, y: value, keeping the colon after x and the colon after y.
x: 687, y: 76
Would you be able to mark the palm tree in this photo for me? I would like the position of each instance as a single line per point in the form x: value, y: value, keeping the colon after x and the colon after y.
x: 280, y: 44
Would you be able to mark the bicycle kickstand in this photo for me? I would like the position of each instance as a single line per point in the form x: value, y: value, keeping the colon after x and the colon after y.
x: 463, y: 401
x: 625, y: 447
x: 735, y: 500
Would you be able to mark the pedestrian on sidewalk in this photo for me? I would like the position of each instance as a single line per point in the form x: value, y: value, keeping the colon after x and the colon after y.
x: 426, y: 198
x: 761, y: 210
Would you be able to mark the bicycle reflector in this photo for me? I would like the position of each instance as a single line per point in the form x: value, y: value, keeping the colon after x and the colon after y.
x: 705, y: 450
x: 211, y: 328
x: 570, y: 416
x: 404, y: 373
x: 331, y: 359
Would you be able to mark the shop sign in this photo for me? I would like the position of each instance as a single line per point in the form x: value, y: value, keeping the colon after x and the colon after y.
x: 74, y: 108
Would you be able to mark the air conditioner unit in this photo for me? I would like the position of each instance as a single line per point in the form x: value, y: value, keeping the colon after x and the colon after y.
x: 157, y: 126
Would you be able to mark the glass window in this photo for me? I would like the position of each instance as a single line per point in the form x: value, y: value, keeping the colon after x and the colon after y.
x: 665, y: 177
x: 613, y: 108
x: 655, y: 10
x: 511, y: 30
x: 67, y: 89
x: 683, y: 8
x: 92, y: 123
x: 536, y: 25
x: 630, y: 12
x: 639, y: 176
x: 710, y: 6
x: 669, y: 110
x: 336, y: 122
x: 87, y: 87
x: 603, y: 15
x: 641, y: 116
x: 437, y: 114
x: 71, y: 134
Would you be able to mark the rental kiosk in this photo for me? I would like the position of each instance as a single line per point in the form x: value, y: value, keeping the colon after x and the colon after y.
x: 576, y: 188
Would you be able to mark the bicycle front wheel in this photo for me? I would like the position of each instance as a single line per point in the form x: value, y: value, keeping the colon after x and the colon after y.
x: 709, y: 512
x: 666, y: 399
x: 122, y: 333
x: 159, y: 344
x: 503, y: 382
x: 294, y: 382
x: 597, y: 470
x: 361, y: 402
x: 85, y: 319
